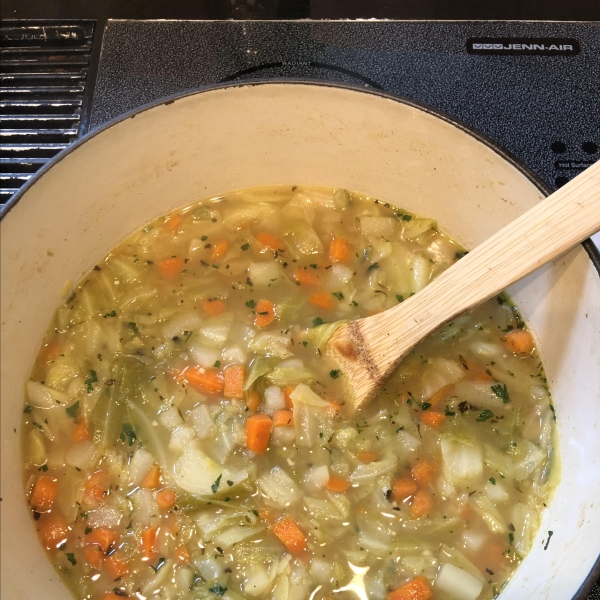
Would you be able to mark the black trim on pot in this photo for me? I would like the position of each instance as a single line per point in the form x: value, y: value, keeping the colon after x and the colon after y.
x: 588, y: 245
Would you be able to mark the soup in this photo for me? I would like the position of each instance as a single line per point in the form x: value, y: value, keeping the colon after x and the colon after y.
x: 185, y: 437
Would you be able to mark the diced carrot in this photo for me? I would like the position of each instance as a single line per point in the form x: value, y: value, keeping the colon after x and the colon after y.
x: 81, y: 432
x: 335, y: 407
x: 213, y: 306
x: 423, y: 472
x: 116, y: 567
x: 96, y: 485
x: 441, y: 395
x: 103, y: 537
x: 404, y: 488
x: 111, y: 596
x: 93, y: 556
x: 152, y: 478
x: 322, y: 299
x: 258, y: 433
x: 422, y: 504
x: 181, y: 554
x: 466, y: 512
x: 270, y: 241
x: 290, y: 534
x: 173, y: 223
x: 50, y: 352
x: 416, y: 589
x: 265, y: 313
x: 287, y: 391
x: 475, y: 371
x: 209, y: 381
x: 234, y: 376
x: 306, y: 277
x: 219, y: 250
x: 283, y: 418
x: 432, y: 418
x: 337, y: 484
x: 367, y: 457
x: 253, y: 401
x: 340, y: 250
x: 170, y: 268
x: 44, y: 493
x: 519, y: 341
x: 485, y: 377
x: 148, y: 541
x: 166, y: 498
x: 53, y: 530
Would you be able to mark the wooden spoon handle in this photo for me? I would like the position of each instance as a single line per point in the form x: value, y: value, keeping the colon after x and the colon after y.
x: 374, y: 346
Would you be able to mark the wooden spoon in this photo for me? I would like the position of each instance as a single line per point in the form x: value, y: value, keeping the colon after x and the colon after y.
x: 368, y: 350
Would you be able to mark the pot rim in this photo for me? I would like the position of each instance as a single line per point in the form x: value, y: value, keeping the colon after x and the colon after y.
x: 591, y: 249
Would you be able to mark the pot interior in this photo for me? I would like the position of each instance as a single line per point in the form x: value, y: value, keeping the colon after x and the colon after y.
x: 226, y: 139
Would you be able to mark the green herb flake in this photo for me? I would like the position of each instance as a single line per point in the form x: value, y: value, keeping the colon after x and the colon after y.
x: 511, y: 538
x: 204, y: 238
x: 73, y: 410
x: 338, y: 295
x: 501, y: 391
x: 71, y: 558
x: 28, y: 408
x: 128, y: 434
x: 400, y: 298
x: 250, y: 304
x: 88, y: 530
x: 449, y: 412
x: 407, y: 218
x: 133, y: 326
x: 218, y: 590
x: 492, y: 481
x: 112, y: 313
x: 425, y: 405
x: 217, y: 363
x: 373, y: 267
x: 43, y: 468
x: 93, y: 379
x: 245, y: 246
x: 215, y: 486
x: 318, y: 321
x: 484, y: 415
x: 334, y: 374
x: 305, y: 344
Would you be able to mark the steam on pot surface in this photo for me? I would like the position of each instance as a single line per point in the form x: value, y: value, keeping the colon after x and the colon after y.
x: 185, y: 438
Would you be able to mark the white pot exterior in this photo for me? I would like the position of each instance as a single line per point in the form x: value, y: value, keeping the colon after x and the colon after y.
x: 286, y: 133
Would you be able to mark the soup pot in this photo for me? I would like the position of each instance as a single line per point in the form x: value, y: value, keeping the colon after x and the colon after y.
x: 164, y: 156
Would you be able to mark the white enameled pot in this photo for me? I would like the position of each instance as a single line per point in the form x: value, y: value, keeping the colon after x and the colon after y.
x: 224, y: 139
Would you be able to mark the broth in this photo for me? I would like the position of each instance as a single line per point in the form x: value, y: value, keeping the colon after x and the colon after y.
x: 184, y: 436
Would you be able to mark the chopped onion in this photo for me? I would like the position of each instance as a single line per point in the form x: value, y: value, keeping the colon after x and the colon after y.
x: 380, y: 226
x: 234, y: 355
x: 181, y: 438
x: 274, y: 399
x: 271, y: 344
x: 283, y: 436
x: 258, y: 581
x: 185, y: 321
x: 279, y: 488
x: 141, y: 461
x: 41, y: 396
x: 462, y: 460
x: 316, y: 478
x: 459, y: 584
x: 81, y: 455
x: 202, y: 421
x: 170, y: 418
x: 234, y: 534
x: 264, y: 273
x: 313, y: 416
x: 496, y: 492
x: 105, y: 516
x: 204, y: 357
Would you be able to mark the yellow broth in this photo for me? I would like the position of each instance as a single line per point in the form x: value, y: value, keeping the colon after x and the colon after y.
x: 185, y: 438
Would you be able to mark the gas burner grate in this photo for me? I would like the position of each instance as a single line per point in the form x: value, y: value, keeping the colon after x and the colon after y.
x: 43, y: 75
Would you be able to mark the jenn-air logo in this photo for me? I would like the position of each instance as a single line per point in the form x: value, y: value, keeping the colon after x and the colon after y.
x: 520, y: 46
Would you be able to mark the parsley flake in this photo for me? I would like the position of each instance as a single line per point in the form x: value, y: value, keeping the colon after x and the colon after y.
x: 73, y: 410
x: 484, y: 415
x: 250, y: 304
x: 215, y: 486
x: 128, y: 434
x: 501, y: 391
x: 318, y: 321
x: 334, y: 374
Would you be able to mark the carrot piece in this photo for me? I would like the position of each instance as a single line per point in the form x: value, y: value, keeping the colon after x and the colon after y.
x: 519, y: 341
x: 466, y: 512
x: 148, y: 541
x: 44, y: 493
x: 404, y: 488
x: 50, y: 352
x: 234, y: 376
x: 152, y: 478
x: 422, y: 505
x: 80, y: 432
x: 270, y: 241
x: 423, y: 472
x: 340, y: 250
x: 111, y: 596
x: 337, y: 484
x: 485, y: 377
x: 367, y: 457
x: 432, y: 418
x: 335, y: 407
x: 115, y: 567
x: 253, y: 401
x: 93, y: 556
x: 96, y: 486
x: 181, y: 554
x: 476, y: 371
x: 209, y: 381
x: 166, y: 499
x: 258, y: 433
x: 290, y: 534
x: 173, y: 223
x: 287, y: 391
x: 306, y: 277
x: 441, y: 395
x: 416, y: 589
x: 170, y: 268
x: 213, y: 306
x: 219, y: 250
x: 53, y: 530
x: 283, y: 418
x: 265, y: 313
x: 268, y: 515
x: 102, y: 537
x: 322, y: 299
